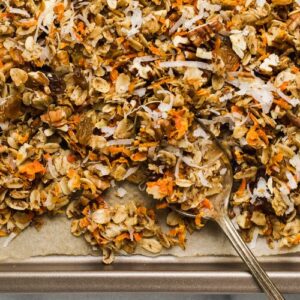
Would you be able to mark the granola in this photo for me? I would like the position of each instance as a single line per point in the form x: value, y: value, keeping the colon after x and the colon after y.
x: 97, y: 92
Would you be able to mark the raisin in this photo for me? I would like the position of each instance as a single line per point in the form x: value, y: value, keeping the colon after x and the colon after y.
x: 57, y: 84
x: 80, y: 79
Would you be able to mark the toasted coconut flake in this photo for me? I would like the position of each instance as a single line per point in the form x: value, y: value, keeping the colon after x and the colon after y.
x: 8, y: 239
x: 291, y: 180
x: 120, y: 142
x: 188, y: 64
x: 19, y: 11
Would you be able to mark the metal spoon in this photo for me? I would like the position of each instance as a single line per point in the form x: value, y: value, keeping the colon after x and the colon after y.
x: 220, y: 216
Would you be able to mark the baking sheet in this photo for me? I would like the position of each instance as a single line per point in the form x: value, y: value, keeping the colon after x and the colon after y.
x: 55, y: 238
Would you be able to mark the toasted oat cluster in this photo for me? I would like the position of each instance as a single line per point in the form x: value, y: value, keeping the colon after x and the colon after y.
x: 97, y: 92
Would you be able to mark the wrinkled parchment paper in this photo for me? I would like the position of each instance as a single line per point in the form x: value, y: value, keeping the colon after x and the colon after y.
x: 55, y: 238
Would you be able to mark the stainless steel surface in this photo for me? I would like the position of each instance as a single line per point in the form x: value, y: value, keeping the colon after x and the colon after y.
x: 144, y: 274
x: 247, y: 256
x: 220, y: 216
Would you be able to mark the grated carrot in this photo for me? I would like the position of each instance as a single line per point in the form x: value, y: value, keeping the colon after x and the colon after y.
x: 161, y: 205
x: 164, y: 186
x: 118, y: 149
x: 155, y: 50
x: 138, y: 236
x: 282, y: 103
x: 181, y: 123
x: 284, y: 85
x: 295, y: 70
x: 59, y: 10
x: 242, y: 187
x: 71, y: 158
x: 206, y: 204
x: 198, y: 220
x: 139, y: 156
x: 122, y: 237
x: 32, y: 168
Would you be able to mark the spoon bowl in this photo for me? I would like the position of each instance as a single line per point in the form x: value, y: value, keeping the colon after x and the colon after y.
x: 219, y: 214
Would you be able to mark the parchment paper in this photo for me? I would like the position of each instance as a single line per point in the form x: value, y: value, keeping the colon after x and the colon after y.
x: 55, y: 238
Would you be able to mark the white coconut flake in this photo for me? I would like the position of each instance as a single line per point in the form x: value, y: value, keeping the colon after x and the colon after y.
x: 121, y: 192
x: 140, y: 92
x: 270, y: 184
x: 189, y: 23
x: 45, y: 53
x: 18, y: 11
x: 185, y: 63
x: 284, y: 191
x: 190, y: 162
x: 239, y: 44
x: 177, y: 40
x: 178, y: 23
x: 295, y: 162
x: 199, y: 132
x: 109, y: 131
x: 293, y: 101
x: 142, y: 70
x: 292, y: 182
x: 223, y: 171
x: 269, y: 62
x: 260, y: 3
x: 253, y: 242
x: 104, y: 170
x: 176, y: 172
x: 257, y: 88
x: 68, y: 27
x: 8, y: 239
x: 136, y: 19
x: 4, y: 126
x: 204, y: 54
x: 120, y: 142
x: 46, y: 18
x: 130, y: 171
x: 261, y: 189
x: 203, y: 180
x: 226, y: 97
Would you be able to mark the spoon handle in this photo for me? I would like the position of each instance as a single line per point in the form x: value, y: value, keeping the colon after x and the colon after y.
x: 247, y: 256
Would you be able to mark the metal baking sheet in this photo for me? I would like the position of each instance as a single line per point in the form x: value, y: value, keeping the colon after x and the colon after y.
x: 143, y: 274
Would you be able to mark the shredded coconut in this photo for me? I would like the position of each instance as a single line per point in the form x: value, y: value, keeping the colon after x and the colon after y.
x: 109, y: 131
x: 136, y: 18
x: 203, y: 180
x: 257, y: 88
x: 295, y: 162
x: 292, y: 182
x: 261, y: 189
x: 18, y: 11
x: 199, y: 132
x: 178, y: 23
x: 284, y: 191
x: 269, y: 62
x: 121, y: 192
x: 120, y: 142
x: 130, y: 171
x: 140, y: 92
x: 8, y: 239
